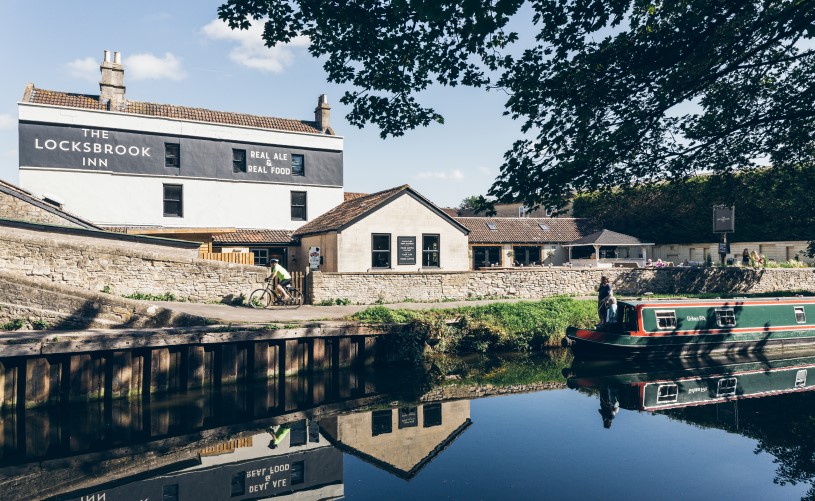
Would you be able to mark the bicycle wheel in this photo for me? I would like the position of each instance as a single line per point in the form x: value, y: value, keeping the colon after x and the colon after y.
x: 295, y: 298
x: 260, y: 298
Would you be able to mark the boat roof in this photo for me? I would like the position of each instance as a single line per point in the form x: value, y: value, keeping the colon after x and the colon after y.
x: 681, y: 301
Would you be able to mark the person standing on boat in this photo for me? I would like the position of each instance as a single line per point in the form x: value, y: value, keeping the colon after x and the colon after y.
x: 603, y: 292
x: 611, y: 310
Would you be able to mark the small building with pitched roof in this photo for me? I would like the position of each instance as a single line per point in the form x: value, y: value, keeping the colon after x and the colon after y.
x: 389, y: 231
x: 606, y: 248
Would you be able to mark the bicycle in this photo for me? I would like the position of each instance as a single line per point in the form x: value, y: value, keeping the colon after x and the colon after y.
x: 263, y: 298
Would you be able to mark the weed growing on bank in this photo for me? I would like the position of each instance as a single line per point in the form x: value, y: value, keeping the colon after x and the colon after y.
x: 521, y: 326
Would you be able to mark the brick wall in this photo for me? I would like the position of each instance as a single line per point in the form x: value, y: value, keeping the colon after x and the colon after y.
x: 123, y: 267
x: 395, y: 287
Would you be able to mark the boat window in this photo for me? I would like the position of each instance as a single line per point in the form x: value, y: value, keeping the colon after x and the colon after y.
x: 667, y: 393
x: 726, y: 387
x: 629, y: 320
x: 725, y: 317
x: 666, y: 319
x: 800, y: 315
x: 801, y: 378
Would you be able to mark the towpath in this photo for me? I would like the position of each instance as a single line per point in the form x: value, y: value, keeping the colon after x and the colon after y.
x: 226, y: 314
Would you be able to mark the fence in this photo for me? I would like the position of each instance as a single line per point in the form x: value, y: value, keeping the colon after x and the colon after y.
x: 229, y: 257
x: 298, y: 281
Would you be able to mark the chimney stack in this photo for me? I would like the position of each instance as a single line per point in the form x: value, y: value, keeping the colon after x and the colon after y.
x: 112, y: 85
x: 322, y: 115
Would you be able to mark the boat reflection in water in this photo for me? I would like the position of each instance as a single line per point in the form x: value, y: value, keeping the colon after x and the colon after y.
x: 688, y: 382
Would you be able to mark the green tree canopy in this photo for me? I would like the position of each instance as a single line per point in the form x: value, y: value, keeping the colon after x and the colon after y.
x: 771, y: 204
x: 609, y: 92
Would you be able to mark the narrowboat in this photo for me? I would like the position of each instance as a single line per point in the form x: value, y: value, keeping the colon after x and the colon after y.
x: 665, y: 386
x: 699, y: 327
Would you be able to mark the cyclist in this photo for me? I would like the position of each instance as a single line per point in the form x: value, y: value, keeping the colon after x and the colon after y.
x: 282, y: 275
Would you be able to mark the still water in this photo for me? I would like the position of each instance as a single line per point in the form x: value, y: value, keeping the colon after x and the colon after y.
x: 513, y: 427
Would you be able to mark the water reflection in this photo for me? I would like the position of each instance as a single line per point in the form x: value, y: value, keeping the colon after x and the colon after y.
x: 353, y: 433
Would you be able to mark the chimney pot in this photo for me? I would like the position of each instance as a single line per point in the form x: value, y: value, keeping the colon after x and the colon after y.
x: 117, y: 58
x: 107, y: 56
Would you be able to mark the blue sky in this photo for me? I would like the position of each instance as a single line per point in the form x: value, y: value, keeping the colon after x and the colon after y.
x: 178, y: 53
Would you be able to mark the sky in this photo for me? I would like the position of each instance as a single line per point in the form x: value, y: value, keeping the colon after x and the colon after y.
x: 179, y: 53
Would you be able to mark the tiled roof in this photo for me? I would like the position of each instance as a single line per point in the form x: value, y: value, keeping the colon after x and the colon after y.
x: 450, y: 211
x: 348, y: 211
x: 608, y: 237
x: 254, y: 237
x: 28, y: 197
x: 350, y: 195
x: 91, y: 102
x: 525, y: 229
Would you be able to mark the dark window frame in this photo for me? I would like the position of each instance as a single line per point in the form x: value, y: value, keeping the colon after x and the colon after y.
x: 172, y: 155
x: 429, y: 252
x: 374, y: 251
x: 304, y: 206
x: 238, y: 164
x: 381, y: 422
x: 302, y: 172
x: 180, y: 201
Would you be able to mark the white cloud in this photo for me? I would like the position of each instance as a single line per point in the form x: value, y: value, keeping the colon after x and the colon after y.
x: 150, y: 67
x: 250, y: 50
x: 454, y: 175
x: 7, y: 121
x: 85, y: 69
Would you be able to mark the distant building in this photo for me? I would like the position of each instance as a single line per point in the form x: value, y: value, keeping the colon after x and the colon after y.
x: 174, y: 170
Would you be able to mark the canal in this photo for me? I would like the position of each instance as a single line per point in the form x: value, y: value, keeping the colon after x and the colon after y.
x: 501, y: 427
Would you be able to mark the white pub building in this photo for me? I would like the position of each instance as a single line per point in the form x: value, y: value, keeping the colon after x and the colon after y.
x: 174, y: 170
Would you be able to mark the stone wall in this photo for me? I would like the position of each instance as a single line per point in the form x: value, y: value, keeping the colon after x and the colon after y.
x: 15, y: 208
x: 396, y: 287
x: 122, y: 267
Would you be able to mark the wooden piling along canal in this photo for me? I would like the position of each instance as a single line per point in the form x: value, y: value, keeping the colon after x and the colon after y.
x: 52, y: 368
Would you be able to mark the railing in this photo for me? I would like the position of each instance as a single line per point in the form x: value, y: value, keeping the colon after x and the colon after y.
x: 229, y: 257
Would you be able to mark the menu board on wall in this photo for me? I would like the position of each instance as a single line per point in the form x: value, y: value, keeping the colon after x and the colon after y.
x: 406, y: 250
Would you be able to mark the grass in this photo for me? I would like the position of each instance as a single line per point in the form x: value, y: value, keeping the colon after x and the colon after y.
x: 167, y: 296
x: 521, y: 326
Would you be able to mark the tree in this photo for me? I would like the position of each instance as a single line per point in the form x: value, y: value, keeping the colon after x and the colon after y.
x: 478, y: 204
x: 610, y: 93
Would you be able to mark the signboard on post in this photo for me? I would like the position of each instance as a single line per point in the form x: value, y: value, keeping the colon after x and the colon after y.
x: 724, y: 219
x: 314, y: 258
x: 406, y: 250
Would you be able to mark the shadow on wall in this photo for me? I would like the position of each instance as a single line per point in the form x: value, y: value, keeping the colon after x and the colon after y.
x: 689, y: 280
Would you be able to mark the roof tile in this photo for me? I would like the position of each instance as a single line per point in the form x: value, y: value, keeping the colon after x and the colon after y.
x: 526, y: 229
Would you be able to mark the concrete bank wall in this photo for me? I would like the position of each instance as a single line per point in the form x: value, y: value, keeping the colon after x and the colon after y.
x: 395, y: 287
x: 122, y: 267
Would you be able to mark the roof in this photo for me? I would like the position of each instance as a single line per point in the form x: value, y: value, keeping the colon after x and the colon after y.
x: 525, y: 229
x: 28, y: 197
x: 608, y: 237
x: 450, y: 211
x: 247, y: 236
x: 350, y: 195
x: 91, y: 102
x: 352, y: 210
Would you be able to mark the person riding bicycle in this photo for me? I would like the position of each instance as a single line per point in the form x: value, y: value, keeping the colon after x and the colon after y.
x: 283, y: 276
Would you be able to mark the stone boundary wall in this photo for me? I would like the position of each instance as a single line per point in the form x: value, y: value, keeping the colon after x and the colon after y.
x: 123, y: 267
x: 372, y: 288
x: 15, y: 208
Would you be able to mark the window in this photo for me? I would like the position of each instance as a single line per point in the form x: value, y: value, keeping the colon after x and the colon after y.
x: 801, y: 378
x: 430, y: 251
x: 313, y: 432
x: 298, y: 472
x: 298, y: 165
x: 666, y: 319
x: 432, y: 415
x: 800, y: 315
x: 491, y: 225
x: 408, y: 417
x: 725, y: 317
x: 297, y: 433
x: 526, y: 256
x: 169, y: 492
x: 261, y: 256
x: 381, y: 422
x: 381, y: 250
x: 543, y: 226
x: 667, y: 393
x: 238, y: 484
x: 173, y: 200
x: 484, y: 257
x: 298, y: 206
x: 726, y: 387
x: 172, y: 155
x: 238, y: 160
